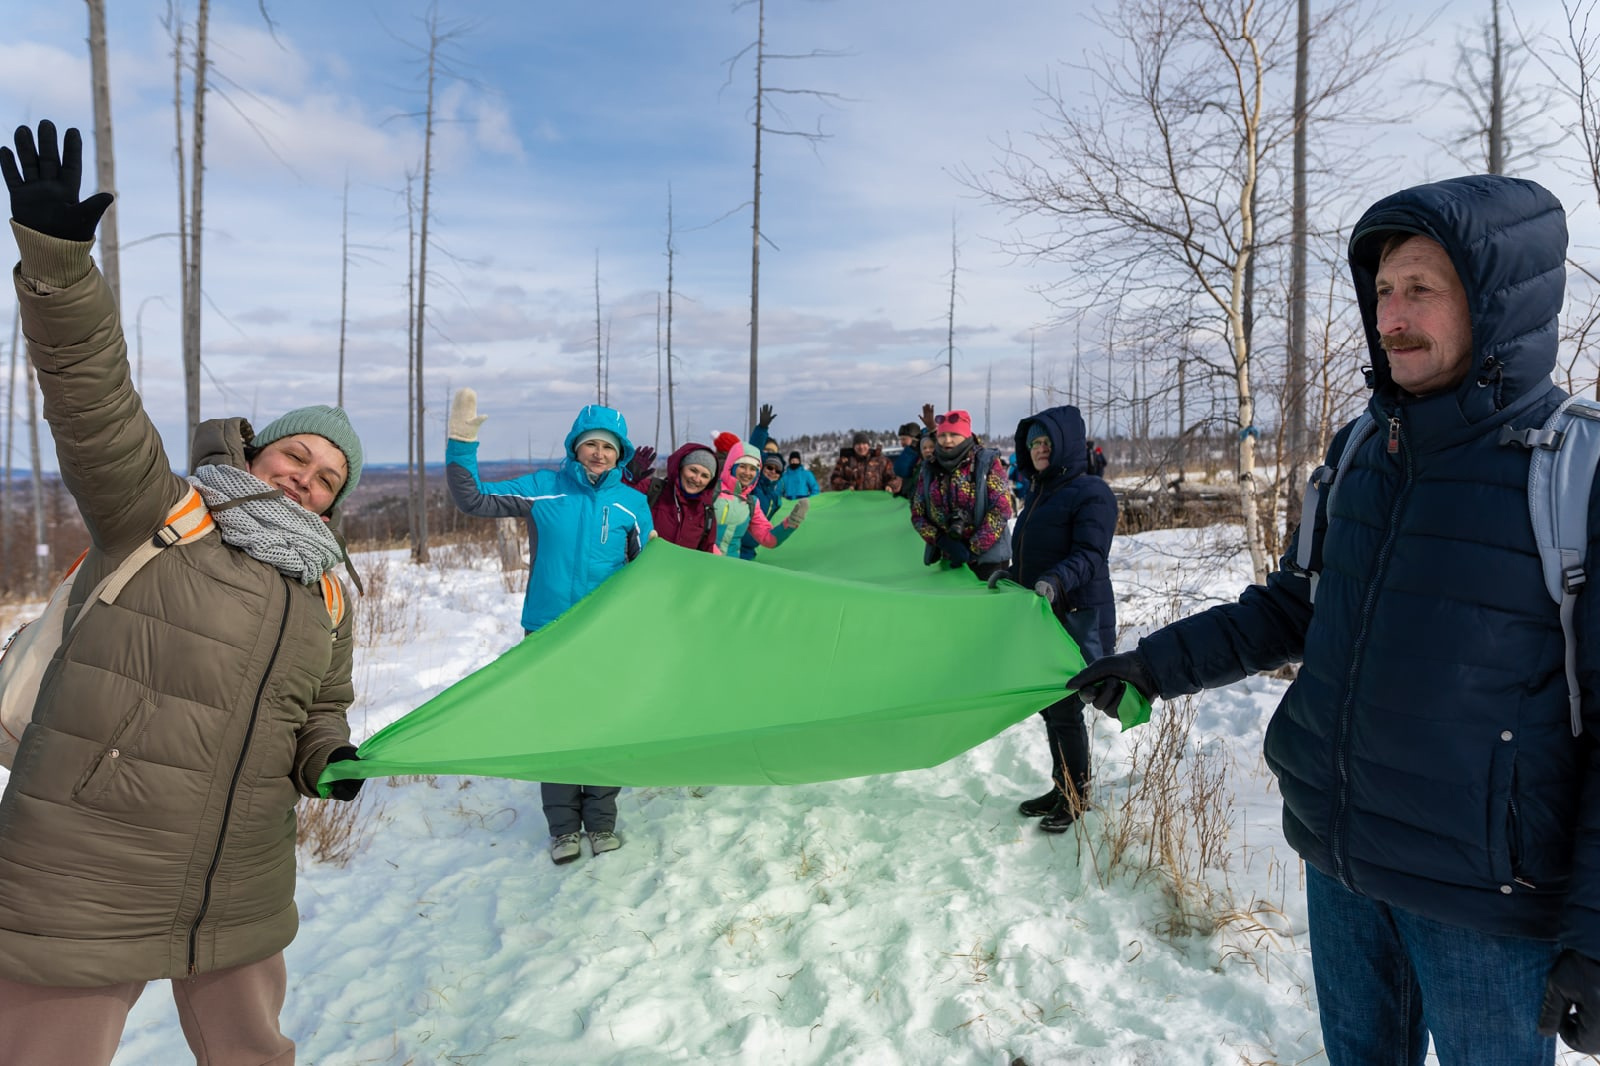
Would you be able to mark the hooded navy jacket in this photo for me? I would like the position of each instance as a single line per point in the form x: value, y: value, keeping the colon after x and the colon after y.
x: 1424, y: 752
x: 1065, y: 529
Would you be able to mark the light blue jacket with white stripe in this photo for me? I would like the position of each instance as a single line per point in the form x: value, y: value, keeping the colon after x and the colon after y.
x: 579, y: 533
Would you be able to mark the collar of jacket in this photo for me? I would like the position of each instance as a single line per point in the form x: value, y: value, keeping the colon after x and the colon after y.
x: 575, y: 472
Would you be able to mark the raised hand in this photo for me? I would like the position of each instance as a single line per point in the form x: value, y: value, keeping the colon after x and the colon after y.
x: 927, y: 415
x: 464, y: 416
x: 767, y: 415
x: 644, y: 457
x: 43, y: 181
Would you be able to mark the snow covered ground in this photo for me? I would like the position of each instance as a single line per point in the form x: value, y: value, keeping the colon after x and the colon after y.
x: 913, y: 918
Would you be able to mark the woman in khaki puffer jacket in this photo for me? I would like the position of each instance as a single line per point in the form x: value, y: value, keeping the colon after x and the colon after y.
x: 148, y: 827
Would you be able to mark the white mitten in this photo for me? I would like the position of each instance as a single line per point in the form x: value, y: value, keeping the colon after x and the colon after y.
x: 464, y: 416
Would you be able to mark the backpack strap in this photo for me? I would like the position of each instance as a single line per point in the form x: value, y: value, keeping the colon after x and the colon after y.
x: 980, y: 484
x: 333, y: 598
x: 1324, y: 481
x: 1566, y: 452
x: 187, y: 521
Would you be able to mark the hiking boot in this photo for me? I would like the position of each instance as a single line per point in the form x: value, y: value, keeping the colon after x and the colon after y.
x: 1061, y: 817
x: 1041, y: 805
x: 565, y: 848
x: 604, y: 841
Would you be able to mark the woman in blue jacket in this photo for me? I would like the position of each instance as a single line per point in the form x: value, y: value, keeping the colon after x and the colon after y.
x: 588, y: 524
x: 1059, y: 548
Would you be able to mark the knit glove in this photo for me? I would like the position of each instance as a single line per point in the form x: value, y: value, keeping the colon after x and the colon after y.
x: 766, y: 416
x: 43, y: 182
x: 955, y: 553
x: 1572, y: 1002
x: 345, y: 790
x: 1102, y: 681
x: 1049, y: 588
x: 797, y: 514
x: 999, y: 576
x: 644, y: 457
x: 464, y: 416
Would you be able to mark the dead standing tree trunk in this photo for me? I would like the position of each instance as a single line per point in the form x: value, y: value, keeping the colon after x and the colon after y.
x: 10, y: 440
x: 190, y: 165
x: 419, y: 550
x: 672, y: 416
x: 438, y: 38
x: 763, y: 92
x: 105, y: 160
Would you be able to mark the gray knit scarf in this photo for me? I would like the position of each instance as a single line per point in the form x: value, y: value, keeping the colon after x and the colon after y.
x: 256, y: 518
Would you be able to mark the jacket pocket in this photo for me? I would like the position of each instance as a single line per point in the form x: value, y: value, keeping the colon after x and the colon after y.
x: 1502, y: 814
x: 107, y: 766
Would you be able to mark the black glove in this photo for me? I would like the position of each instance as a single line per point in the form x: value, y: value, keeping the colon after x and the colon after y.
x: 344, y: 790
x: 1102, y: 681
x: 767, y: 415
x: 1048, y: 588
x: 44, y: 191
x: 930, y: 554
x: 954, y: 552
x: 1571, y: 995
x: 644, y: 457
x: 999, y: 576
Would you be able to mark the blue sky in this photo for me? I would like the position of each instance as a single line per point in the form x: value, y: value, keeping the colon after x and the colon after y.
x: 562, y: 133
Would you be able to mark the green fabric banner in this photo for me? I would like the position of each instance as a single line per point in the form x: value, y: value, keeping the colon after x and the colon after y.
x: 667, y: 674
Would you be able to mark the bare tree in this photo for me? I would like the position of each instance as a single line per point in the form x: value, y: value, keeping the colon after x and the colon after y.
x: 11, y: 432
x: 412, y: 493
x: 672, y: 419
x: 138, y: 336
x: 438, y: 38
x: 656, y: 437
x: 105, y: 160
x: 191, y: 210
x: 1294, y: 386
x: 1571, y: 63
x: 41, y: 544
x: 950, y: 327
x: 344, y: 281
x: 1504, y: 109
x: 1152, y: 190
x: 765, y: 98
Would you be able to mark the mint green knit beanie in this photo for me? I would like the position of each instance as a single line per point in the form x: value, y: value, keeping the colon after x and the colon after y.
x: 328, y: 422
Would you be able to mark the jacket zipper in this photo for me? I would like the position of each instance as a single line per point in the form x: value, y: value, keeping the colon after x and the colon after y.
x: 233, y: 786
x: 1341, y: 752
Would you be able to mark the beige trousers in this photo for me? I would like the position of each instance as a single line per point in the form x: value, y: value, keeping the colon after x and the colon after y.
x: 230, y: 1018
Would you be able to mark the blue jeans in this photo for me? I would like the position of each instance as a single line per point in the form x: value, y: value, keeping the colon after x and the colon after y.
x: 1386, y: 978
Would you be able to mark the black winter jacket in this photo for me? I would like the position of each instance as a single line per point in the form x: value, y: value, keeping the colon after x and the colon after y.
x: 1424, y: 752
x: 1066, y: 526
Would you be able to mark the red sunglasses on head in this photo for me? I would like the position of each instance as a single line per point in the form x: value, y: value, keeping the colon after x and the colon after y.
x: 942, y: 419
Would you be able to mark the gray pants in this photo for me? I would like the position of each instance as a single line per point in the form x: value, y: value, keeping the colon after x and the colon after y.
x: 229, y: 1017
x: 574, y: 808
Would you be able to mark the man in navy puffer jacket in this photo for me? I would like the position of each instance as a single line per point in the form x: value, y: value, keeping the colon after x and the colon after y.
x: 1449, y: 819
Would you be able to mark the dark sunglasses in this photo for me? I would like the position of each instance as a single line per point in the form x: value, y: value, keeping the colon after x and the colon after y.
x: 952, y: 419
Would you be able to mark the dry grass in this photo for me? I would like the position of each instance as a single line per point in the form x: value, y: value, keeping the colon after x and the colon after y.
x: 1171, y: 819
x: 332, y: 832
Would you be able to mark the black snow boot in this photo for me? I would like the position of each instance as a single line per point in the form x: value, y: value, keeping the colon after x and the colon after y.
x: 1065, y: 812
x: 1040, y: 806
